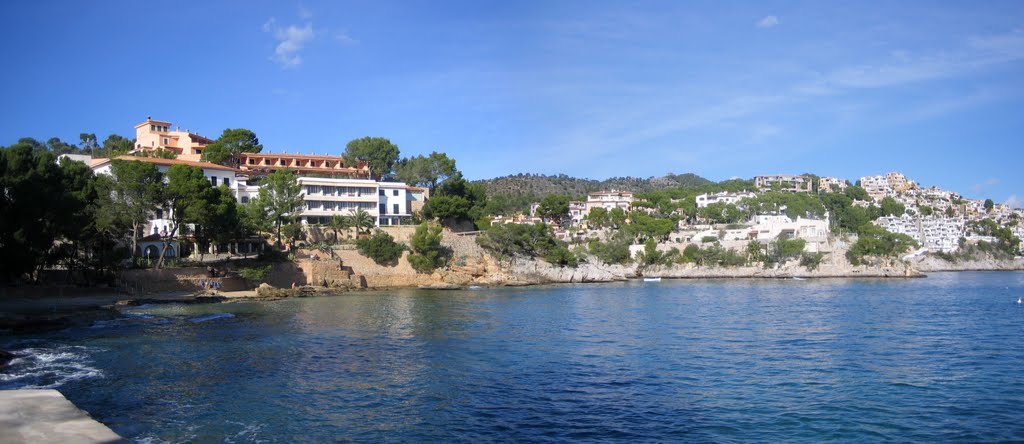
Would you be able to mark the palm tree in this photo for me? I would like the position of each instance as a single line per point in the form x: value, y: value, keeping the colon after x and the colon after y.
x: 338, y: 224
x: 362, y: 221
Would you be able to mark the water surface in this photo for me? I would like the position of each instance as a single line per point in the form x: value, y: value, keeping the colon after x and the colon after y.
x: 937, y: 359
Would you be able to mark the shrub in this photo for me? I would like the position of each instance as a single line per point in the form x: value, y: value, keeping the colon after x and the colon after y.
x: 811, y: 261
x: 614, y: 251
x: 511, y: 240
x: 380, y: 247
x: 255, y: 274
x: 876, y: 241
x: 427, y: 254
x: 708, y: 239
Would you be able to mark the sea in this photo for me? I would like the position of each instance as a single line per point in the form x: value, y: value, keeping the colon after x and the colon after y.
x: 939, y: 359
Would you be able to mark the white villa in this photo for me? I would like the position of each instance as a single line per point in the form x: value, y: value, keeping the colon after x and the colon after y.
x: 609, y: 200
x: 706, y: 199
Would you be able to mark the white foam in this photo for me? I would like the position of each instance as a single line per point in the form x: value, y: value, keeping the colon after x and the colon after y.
x: 47, y: 368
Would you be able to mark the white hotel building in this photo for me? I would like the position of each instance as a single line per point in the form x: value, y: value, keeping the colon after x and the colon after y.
x: 704, y: 200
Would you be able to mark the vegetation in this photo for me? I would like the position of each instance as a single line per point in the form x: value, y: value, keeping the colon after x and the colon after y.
x: 255, y: 274
x: 508, y: 241
x: 427, y: 254
x: 876, y: 241
x: 457, y: 201
x: 426, y: 171
x: 378, y: 153
x: 1006, y: 241
x: 380, y: 247
x: 811, y: 261
x: 230, y: 145
x: 614, y: 251
x: 280, y: 199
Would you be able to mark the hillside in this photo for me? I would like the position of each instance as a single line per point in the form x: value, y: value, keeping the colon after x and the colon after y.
x: 520, y: 189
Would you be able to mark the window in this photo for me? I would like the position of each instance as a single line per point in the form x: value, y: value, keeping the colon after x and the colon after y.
x: 213, y: 180
x: 245, y: 199
x: 396, y: 209
x: 383, y: 208
x: 394, y: 193
x: 165, y: 141
x: 226, y: 181
x: 381, y: 192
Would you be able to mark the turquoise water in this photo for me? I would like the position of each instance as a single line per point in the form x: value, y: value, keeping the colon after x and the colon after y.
x: 926, y: 360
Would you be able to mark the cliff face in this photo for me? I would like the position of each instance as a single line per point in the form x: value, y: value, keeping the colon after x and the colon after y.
x: 933, y: 263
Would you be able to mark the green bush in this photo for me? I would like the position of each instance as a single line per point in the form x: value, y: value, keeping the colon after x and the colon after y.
x: 811, y: 261
x: 708, y: 239
x: 255, y: 274
x: 615, y: 251
x: 380, y: 247
x: 427, y: 254
x: 877, y: 241
x: 536, y: 240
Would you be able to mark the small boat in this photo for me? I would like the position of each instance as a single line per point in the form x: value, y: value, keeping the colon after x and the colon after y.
x: 798, y: 278
x: 652, y: 279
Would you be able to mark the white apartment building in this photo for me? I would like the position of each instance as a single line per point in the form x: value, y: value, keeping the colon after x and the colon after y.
x: 326, y: 197
x: 609, y: 200
x: 828, y: 184
x: 878, y: 187
x: 934, y: 233
x: 706, y: 199
x: 784, y: 182
x: 393, y: 205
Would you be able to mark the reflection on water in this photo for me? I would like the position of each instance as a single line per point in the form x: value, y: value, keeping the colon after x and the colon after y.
x: 932, y: 359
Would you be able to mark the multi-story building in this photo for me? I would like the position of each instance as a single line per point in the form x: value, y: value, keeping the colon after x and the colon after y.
x: 156, y: 135
x: 303, y: 164
x: 394, y: 203
x: 609, y: 200
x: 830, y: 184
x: 706, y: 199
x: 783, y: 182
x: 934, y: 233
x: 889, y: 185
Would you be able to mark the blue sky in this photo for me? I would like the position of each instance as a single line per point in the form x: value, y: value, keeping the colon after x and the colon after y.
x: 588, y: 88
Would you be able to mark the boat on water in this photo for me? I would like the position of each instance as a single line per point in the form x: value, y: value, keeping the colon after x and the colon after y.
x: 652, y: 279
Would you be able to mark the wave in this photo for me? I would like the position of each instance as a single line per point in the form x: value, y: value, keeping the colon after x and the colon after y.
x: 47, y: 368
x: 210, y: 317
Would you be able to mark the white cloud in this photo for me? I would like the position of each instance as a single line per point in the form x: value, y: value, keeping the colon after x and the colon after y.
x: 1013, y: 201
x: 988, y: 183
x: 304, y: 13
x: 345, y: 39
x: 768, y: 22
x: 291, y: 40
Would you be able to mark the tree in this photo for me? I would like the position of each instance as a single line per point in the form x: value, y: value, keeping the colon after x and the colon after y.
x: 187, y: 200
x: 339, y: 224
x: 426, y: 248
x: 380, y: 247
x: 230, y: 145
x: 378, y: 153
x: 58, y: 147
x: 989, y: 205
x: 426, y: 171
x: 892, y: 207
x: 361, y: 221
x: 87, y: 143
x: 281, y: 199
x: 137, y: 192
x: 554, y: 208
x: 457, y: 200
x: 598, y: 218
x: 115, y: 145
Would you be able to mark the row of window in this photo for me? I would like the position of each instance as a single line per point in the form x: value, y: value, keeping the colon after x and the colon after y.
x: 159, y: 128
x: 338, y: 191
x: 393, y: 192
x: 225, y: 181
x: 329, y: 205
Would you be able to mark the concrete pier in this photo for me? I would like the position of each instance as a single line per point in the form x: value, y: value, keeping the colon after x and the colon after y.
x: 46, y: 416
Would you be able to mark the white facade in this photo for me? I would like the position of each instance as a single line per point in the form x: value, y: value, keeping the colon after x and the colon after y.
x: 934, y: 233
x: 609, y: 200
x: 393, y: 203
x: 784, y: 182
x: 826, y: 184
x: 706, y: 199
x: 325, y: 198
